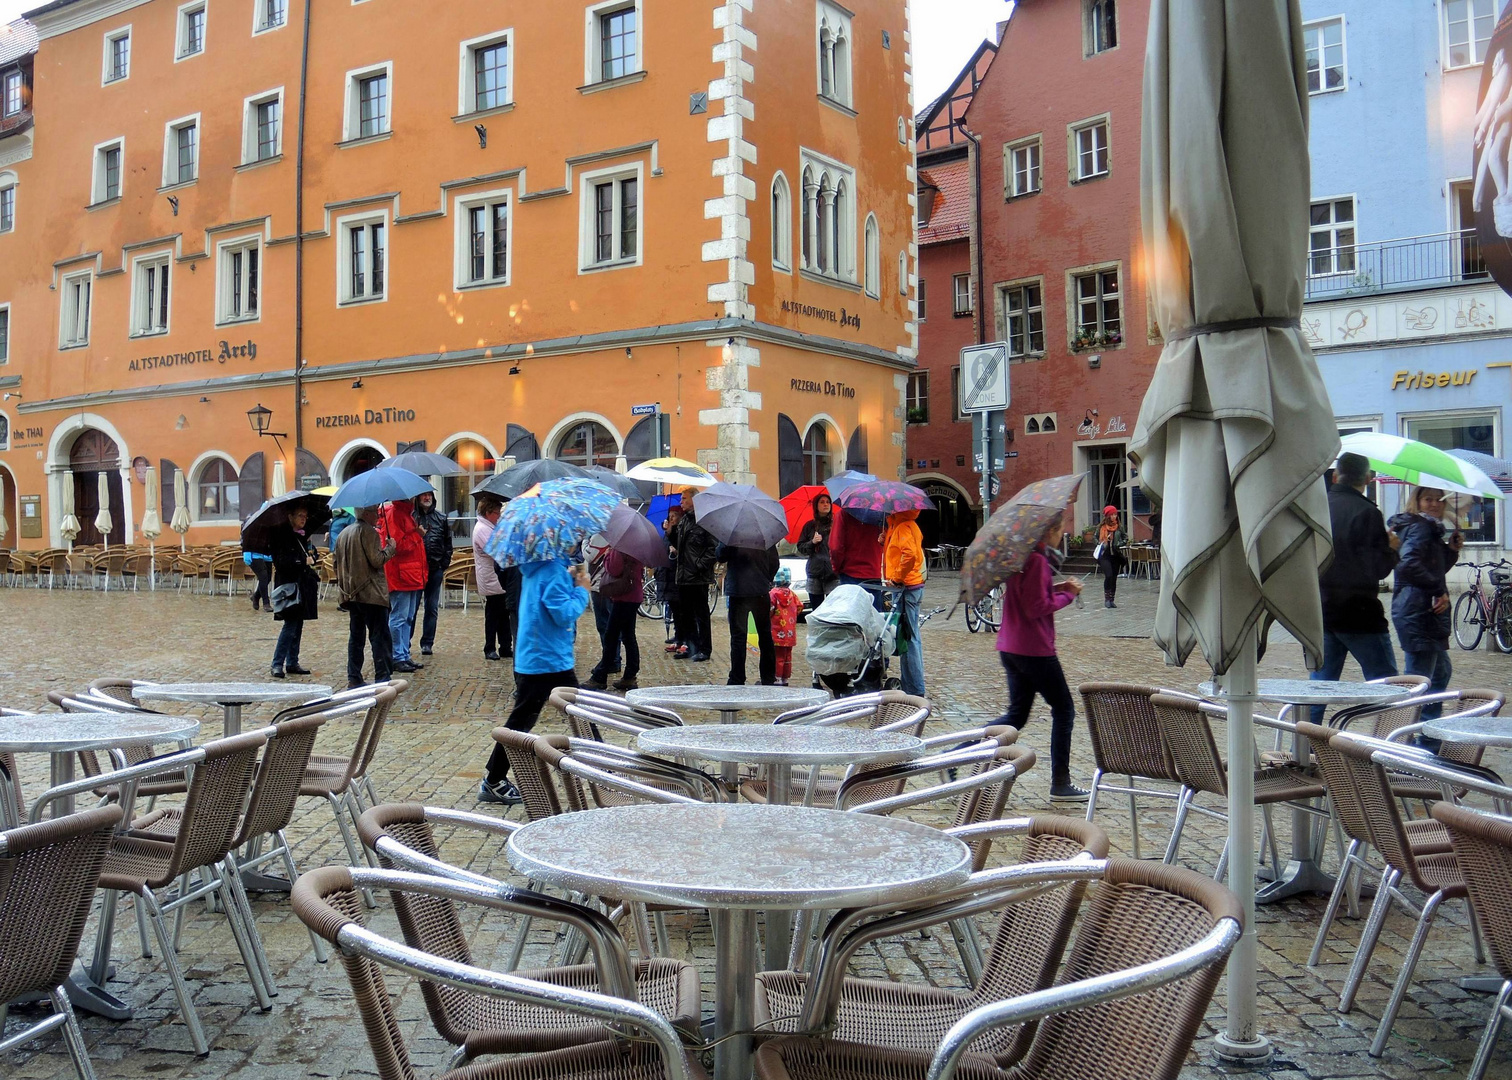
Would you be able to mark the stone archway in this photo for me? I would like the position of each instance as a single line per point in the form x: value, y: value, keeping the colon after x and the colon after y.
x: 93, y: 454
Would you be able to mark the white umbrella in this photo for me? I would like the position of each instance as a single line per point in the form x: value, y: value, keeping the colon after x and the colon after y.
x: 503, y: 463
x: 180, y: 521
x: 280, y: 485
x: 152, y: 522
x: 68, y: 525
x: 1236, y: 428
x: 4, y: 525
x: 103, y: 521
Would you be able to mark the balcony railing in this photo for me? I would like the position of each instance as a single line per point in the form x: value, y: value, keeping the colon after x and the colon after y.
x: 1413, y: 262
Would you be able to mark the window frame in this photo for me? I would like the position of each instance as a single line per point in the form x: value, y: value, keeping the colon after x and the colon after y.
x: 593, y: 41
x: 910, y: 398
x: 7, y: 331
x: 1319, y: 25
x: 1332, y: 227
x: 161, y: 260
x: 1074, y: 302
x: 8, y: 185
x: 342, y: 228
x: 1089, y: 30
x: 1073, y: 147
x: 467, y: 87
x: 181, y: 30
x: 260, y: 23
x: 68, y: 308
x: 1446, y: 55
x: 171, y: 160
x: 17, y: 79
x: 923, y: 301
x: 351, y: 116
x: 955, y: 296
x: 956, y: 415
x: 1006, y: 316
x: 98, y: 195
x: 1408, y: 424
x: 841, y: 75
x: 251, y: 133
x: 588, y: 221
x: 871, y: 257
x: 225, y: 283
x: 782, y: 222
x: 462, y: 207
x: 1035, y: 142
x: 106, y: 69
x: 196, y: 500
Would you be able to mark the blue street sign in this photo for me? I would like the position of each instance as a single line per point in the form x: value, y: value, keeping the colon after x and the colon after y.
x: 643, y: 410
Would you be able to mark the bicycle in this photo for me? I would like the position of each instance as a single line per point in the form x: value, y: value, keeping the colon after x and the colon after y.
x: 1474, y: 611
x: 986, y: 612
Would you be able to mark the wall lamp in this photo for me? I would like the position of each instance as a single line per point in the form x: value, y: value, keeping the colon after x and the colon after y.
x: 173, y: 202
x: 260, y: 417
x: 482, y: 136
x: 204, y: 401
x: 10, y: 395
x: 628, y: 353
x: 356, y: 384
x: 514, y: 369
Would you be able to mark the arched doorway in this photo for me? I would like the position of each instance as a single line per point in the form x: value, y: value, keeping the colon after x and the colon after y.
x: 361, y: 460
x: 817, y: 463
x: 8, y: 507
x: 456, y: 491
x: 588, y: 443
x: 93, y: 453
x: 954, y: 520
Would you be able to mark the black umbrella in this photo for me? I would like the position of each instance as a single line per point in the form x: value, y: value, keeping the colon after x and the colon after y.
x: 518, y: 479
x: 423, y: 463
x: 616, y: 482
x: 258, y: 529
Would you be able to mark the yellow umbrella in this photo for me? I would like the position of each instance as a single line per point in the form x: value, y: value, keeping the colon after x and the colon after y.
x: 152, y: 521
x: 280, y: 485
x: 180, y: 522
x: 68, y: 526
x: 103, y: 521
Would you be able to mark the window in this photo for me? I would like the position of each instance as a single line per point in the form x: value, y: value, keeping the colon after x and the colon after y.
x: 1467, y: 30
x: 363, y: 268
x: 829, y: 218
x: 218, y: 492
x: 270, y: 14
x: 240, y: 274
x: 834, y: 44
x: 367, y: 105
x: 613, y: 41
x: 4, y: 333
x: 483, y: 240
x: 916, y: 407
x: 1325, y: 56
x: 191, y: 31
x: 1099, y: 311
x: 902, y: 273
x: 872, y: 253
x: 955, y: 395
x: 1089, y: 150
x: 816, y: 455
x: 181, y: 152
x: 1041, y: 424
x: 7, y: 205
x: 117, y: 55
x: 1331, y: 237
x: 1101, y: 25
x: 262, y: 127
x: 485, y: 76
x: 74, y: 326
x: 107, y: 172
x: 149, y: 301
x: 10, y: 93
x: 1021, y: 168
x: 923, y: 300
x: 1470, y: 260
x: 782, y: 223
x: 1024, y: 308
x: 1475, y: 517
x: 960, y: 290
x: 611, y: 218
x: 588, y: 443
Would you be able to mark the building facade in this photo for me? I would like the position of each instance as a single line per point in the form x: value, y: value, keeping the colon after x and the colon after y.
x: 242, y: 203
x: 1411, y: 334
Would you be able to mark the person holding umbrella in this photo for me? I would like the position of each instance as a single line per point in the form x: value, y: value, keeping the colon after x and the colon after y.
x: 405, y: 570
x: 1420, y: 593
x: 360, y: 558
x: 295, y: 589
x: 695, y: 551
x: 436, y: 530
x: 903, y: 566
x: 748, y: 583
x: 497, y: 641
x: 666, y: 586
x: 856, y: 550
x: 622, y: 584
x: 815, y: 546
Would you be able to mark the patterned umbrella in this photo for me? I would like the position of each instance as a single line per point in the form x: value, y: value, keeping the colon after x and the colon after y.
x: 840, y: 481
x: 741, y: 515
x: 550, y: 520
x: 672, y: 470
x: 884, y: 497
x: 1004, y: 543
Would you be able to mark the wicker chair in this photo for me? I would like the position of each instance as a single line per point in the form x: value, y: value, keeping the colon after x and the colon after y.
x: 1025, y: 954
x: 1483, y: 845
x: 1139, y: 913
x: 48, y: 875
x: 1126, y: 741
x: 327, y: 901
x: 403, y: 839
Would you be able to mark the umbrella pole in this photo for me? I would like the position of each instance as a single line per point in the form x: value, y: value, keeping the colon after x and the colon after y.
x: 152, y: 564
x: 1240, y: 1041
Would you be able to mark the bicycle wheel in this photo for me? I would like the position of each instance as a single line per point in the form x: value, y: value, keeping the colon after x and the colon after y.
x: 714, y: 591
x: 992, y: 613
x: 1502, y: 621
x: 973, y: 618
x: 1468, y: 625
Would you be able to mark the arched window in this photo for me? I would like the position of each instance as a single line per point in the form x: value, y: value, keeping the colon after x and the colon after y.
x: 1031, y: 426
x: 362, y: 459
x: 456, y: 492
x: 782, y: 223
x: 816, y: 455
x: 873, y: 256
x: 588, y: 443
x: 217, y: 494
x: 840, y: 66
x: 1048, y: 425
x: 810, y: 197
x: 840, y: 259
x: 826, y: 61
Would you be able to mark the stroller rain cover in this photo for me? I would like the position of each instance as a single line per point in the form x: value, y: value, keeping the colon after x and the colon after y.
x: 843, y: 630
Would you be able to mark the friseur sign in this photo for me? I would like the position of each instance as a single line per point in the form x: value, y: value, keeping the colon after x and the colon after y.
x: 226, y: 351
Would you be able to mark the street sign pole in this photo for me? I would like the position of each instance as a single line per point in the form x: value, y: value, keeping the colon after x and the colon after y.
x: 986, y: 466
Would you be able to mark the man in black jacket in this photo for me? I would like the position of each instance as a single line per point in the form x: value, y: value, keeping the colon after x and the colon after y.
x: 438, y: 554
x: 748, y: 584
x: 1354, y: 623
x: 695, y: 549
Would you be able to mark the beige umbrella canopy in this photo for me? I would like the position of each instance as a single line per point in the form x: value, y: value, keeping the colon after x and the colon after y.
x: 68, y: 524
x: 180, y: 521
x: 152, y: 519
x: 103, y: 521
x: 1236, y: 428
x: 4, y: 524
x: 280, y: 484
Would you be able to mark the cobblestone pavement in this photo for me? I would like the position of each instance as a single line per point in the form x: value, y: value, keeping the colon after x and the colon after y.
x: 434, y: 749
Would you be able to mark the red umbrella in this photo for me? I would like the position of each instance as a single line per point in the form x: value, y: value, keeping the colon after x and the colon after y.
x: 799, y: 507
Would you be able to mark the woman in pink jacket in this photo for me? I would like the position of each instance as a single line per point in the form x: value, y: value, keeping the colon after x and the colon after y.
x: 1026, y: 642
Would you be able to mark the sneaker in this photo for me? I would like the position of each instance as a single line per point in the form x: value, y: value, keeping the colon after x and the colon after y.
x: 593, y: 682
x: 626, y: 684
x: 673, y: 646
x: 425, y: 650
x: 490, y: 656
x: 682, y: 653
x: 1068, y: 792
x: 295, y: 669
x: 503, y: 792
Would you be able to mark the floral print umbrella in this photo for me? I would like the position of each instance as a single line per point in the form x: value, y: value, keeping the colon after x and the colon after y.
x: 550, y: 520
x: 884, y: 497
x: 1003, y: 544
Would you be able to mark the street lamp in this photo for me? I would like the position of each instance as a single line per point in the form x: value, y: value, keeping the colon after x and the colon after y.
x: 260, y: 417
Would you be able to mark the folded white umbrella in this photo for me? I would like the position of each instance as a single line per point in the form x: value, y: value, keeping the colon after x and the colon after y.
x: 280, y: 483
x: 4, y: 525
x: 152, y: 522
x: 68, y: 524
x: 180, y: 521
x: 103, y: 521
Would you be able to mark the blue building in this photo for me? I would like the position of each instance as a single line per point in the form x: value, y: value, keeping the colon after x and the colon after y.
x: 1411, y: 334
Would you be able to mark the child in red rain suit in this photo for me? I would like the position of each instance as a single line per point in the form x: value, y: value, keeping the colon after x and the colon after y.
x: 785, y: 611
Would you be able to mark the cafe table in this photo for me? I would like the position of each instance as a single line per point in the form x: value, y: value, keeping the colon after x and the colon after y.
x: 736, y: 859
x: 728, y: 701
x: 1303, y: 874
x: 1481, y: 730
x: 231, y: 696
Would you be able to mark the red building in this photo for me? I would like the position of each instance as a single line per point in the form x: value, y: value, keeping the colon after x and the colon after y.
x: 938, y: 435
x: 1057, y: 119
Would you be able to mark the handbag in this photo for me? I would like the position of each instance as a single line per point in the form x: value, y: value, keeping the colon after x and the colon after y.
x: 285, y: 597
x: 1097, y: 553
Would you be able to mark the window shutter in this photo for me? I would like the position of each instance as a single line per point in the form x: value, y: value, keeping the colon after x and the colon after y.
x: 251, y: 490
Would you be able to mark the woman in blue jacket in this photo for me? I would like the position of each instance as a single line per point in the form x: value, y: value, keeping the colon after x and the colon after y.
x: 1420, y: 596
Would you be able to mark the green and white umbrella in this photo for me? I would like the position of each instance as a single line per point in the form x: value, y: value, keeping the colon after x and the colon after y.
x: 1418, y: 463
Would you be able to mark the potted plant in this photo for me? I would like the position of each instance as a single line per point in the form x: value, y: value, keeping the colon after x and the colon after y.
x: 917, y: 415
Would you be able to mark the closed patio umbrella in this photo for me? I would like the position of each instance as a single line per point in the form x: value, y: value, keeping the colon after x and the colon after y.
x: 4, y: 524
x: 152, y: 521
x: 180, y: 521
x: 1236, y: 428
x: 103, y: 521
x: 280, y: 481
x: 68, y: 524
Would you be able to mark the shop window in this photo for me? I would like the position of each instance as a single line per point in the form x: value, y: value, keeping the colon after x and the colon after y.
x: 1099, y: 309
x: 74, y: 326
x: 613, y: 41
x: 817, y: 459
x: 1100, y: 19
x: 588, y: 443
x: 611, y: 225
x: 486, y: 76
x: 829, y: 217
x: 181, y: 151
x: 457, y: 503
x: 1331, y: 237
x: 270, y: 14
x: 782, y: 223
x: 191, y: 30
x: 117, y: 55
x: 916, y: 407
x: 149, y: 301
x: 240, y: 281
x: 1021, y: 168
x: 217, y: 492
x: 1024, y: 308
x: 1474, y: 517
x: 107, y: 171
x: 367, y: 102
x: 872, y: 252
x: 1325, y: 56
x: 1468, y: 25
x: 483, y: 240
x: 1090, y: 151
x: 7, y: 204
x: 363, y: 260
x: 262, y: 126
x: 833, y: 38
x: 961, y: 295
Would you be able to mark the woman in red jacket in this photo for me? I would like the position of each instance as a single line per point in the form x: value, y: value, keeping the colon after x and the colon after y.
x: 406, y: 571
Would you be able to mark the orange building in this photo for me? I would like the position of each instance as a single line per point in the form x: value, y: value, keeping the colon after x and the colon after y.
x: 396, y: 224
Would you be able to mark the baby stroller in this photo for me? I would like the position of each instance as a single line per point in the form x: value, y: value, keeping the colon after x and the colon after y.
x: 849, y: 640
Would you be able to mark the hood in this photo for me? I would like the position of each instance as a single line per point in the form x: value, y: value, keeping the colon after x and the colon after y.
x: 1399, y: 523
x: 902, y: 516
x: 546, y: 566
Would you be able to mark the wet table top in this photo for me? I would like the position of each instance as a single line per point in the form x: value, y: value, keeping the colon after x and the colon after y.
x: 229, y: 693
x: 61, y: 733
x: 729, y: 698
x: 1485, y: 730
x: 736, y: 855
x: 781, y: 744
x: 1316, y: 692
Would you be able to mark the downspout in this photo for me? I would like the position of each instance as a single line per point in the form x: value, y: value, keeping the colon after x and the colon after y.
x: 976, y: 233
x: 299, y: 233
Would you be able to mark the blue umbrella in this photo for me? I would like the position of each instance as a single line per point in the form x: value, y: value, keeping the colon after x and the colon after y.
x: 840, y: 481
x: 550, y: 520
x: 378, y: 486
x: 656, y: 511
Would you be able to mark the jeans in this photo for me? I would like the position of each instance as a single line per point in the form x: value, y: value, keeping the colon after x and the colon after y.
x: 1042, y: 675
x: 371, y: 622
x: 603, y: 611
x: 695, y: 609
x: 403, y: 603
x: 1436, y: 667
x: 912, y: 661
x: 1373, y: 651
x: 620, y: 631
x: 530, y: 697
x: 496, y: 635
x: 286, y: 652
x: 742, y: 610
x: 262, y: 569
x: 433, y: 585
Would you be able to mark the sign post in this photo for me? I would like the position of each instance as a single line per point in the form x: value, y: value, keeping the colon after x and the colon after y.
x: 985, y: 395
x: 662, y: 424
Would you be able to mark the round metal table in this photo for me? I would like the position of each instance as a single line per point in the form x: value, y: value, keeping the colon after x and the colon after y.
x: 1303, y: 874
x: 729, y: 701
x: 230, y: 696
x: 736, y: 859
x: 1484, y: 730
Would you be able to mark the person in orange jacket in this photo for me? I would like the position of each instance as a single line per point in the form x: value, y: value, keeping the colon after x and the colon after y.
x: 406, y: 571
x: 903, y: 566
